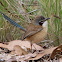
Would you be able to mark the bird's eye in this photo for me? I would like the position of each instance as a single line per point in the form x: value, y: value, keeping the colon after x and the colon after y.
x: 40, y: 23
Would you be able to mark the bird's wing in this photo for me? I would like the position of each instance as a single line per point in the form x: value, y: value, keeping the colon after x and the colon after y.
x: 31, y: 32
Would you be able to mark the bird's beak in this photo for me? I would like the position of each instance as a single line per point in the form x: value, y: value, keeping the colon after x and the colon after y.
x: 46, y: 19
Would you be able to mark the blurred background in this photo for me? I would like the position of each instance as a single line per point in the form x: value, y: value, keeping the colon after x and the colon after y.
x: 24, y: 11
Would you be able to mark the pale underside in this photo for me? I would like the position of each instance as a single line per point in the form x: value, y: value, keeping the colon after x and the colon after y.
x: 36, y: 34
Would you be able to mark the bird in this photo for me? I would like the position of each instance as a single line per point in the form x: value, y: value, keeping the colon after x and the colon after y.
x: 37, y: 30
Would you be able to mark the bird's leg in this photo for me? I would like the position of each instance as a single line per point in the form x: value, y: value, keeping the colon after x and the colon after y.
x: 31, y: 48
x: 35, y: 48
x: 32, y: 45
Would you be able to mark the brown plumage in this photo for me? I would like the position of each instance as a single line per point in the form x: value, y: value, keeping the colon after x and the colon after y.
x: 36, y: 32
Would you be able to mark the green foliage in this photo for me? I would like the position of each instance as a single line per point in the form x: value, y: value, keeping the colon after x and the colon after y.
x: 19, y: 13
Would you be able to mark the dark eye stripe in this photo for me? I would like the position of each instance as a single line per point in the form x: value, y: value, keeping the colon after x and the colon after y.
x: 40, y: 23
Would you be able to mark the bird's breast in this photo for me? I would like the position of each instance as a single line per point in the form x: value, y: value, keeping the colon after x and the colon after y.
x: 39, y: 36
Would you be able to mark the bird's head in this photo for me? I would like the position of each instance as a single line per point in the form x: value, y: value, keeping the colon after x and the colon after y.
x: 41, y: 21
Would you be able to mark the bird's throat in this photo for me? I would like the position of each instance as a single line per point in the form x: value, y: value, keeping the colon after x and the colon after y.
x: 45, y: 24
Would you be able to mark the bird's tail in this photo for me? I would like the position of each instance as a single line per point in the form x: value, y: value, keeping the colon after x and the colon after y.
x: 13, y: 22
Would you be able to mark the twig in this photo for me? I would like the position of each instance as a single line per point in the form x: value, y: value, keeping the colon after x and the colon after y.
x: 56, y: 16
x: 33, y: 11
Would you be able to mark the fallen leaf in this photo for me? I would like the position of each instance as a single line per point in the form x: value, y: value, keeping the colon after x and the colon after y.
x: 56, y: 51
x: 21, y: 43
x: 18, y: 44
x: 60, y: 60
x: 46, y: 51
x: 19, y: 50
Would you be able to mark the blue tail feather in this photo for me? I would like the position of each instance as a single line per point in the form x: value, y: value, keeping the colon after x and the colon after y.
x: 12, y: 22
